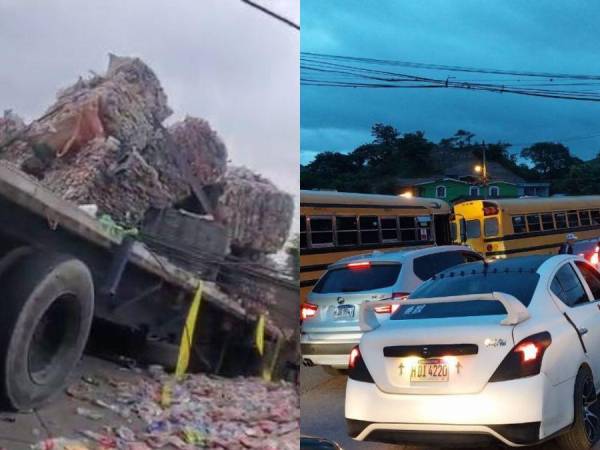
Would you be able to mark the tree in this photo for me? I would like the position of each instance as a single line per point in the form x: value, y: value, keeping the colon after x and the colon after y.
x: 384, y: 134
x: 461, y: 139
x: 550, y: 160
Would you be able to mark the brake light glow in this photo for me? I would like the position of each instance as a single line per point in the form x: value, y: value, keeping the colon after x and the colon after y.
x: 359, y: 265
x: 529, y: 351
x: 308, y: 310
x: 391, y: 309
x: 386, y: 309
x: 354, y: 356
x: 594, y: 258
x: 525, y: 359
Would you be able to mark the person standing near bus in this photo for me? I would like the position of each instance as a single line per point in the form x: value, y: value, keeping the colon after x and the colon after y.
x: 567, y: 247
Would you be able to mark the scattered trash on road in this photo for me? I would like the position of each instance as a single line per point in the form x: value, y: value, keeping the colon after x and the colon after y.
x: 198, y: 411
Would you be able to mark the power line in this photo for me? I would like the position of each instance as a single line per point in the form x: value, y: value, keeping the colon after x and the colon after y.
x: 326, y: 71
x: 272, y: 14
x: 450, y: 68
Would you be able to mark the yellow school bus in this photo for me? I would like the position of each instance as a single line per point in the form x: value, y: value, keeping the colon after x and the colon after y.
x: 334, y: 225
x: 501, y: 228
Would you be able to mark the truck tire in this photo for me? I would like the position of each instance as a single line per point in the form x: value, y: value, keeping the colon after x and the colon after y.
x: 46, y: 310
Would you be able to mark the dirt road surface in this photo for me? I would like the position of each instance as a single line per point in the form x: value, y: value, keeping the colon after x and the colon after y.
x: 20, y: 431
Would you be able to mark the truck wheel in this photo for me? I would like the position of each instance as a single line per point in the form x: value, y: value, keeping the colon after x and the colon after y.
x: 585, y: 431
x: 46, y: 310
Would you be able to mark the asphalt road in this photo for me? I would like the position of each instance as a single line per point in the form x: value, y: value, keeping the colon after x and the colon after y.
x: 322, y: 413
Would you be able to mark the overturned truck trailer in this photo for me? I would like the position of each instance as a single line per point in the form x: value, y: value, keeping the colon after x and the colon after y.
x: 60, y: 268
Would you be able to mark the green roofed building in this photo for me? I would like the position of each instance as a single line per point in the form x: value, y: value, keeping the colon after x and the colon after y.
x: 459, y: 182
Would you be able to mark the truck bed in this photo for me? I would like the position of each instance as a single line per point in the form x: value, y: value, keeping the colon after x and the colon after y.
x: 26, y: 192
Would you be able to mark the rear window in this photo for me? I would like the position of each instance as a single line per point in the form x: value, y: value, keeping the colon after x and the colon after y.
x: 522, y: 285
x: 473, y: 229
x: 490, y: 227
x: 355, y: 280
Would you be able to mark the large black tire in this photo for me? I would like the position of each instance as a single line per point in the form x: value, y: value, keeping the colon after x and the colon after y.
x: 46, y: 310
x: 585, y: 431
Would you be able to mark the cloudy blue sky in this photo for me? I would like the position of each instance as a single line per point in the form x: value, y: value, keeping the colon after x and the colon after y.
x: 221, y: 60
x: 549, y: 36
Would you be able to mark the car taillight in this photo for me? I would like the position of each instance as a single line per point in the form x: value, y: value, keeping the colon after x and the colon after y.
x: 525, y: 359
x: 357, y: 370
x: 354, y: 356
x: 308, y: 310
x: 359, y: 265
x: 390, y: 309
x: 594, y: 258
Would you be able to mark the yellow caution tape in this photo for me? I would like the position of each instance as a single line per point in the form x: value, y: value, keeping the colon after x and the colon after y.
x: 259, y: 337
x: 267, y: 372
x: 185, y: 347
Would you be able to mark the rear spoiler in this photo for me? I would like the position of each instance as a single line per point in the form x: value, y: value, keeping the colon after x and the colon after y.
x: 516, y: 311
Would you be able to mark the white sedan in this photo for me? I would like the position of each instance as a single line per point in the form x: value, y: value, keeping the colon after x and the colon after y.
x: 505, y: 352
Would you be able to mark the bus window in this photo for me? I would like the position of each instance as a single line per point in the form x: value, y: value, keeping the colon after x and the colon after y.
x: 596, y: 217
x: 572, y: 219
x: 321, y: 231
x: 584, y: 218
x: 303, y: 243
x: 389, y: 228
x: 519, y: 224
x: 369, y: 229
x: 533, y: 222
x: 408, y: 229
x: 490, y: 227
x: 473, y: 229
x: 547, y: 222
x: 561, y: 220
x: 424, y: 231
x: 347, y: 230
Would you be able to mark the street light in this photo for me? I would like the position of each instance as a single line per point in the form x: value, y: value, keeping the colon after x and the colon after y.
x: 478, y: 168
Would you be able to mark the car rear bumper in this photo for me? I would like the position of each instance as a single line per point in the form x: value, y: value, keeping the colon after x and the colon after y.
x: 505, y: 411
x: 327, y: 352
x: 514, y: 435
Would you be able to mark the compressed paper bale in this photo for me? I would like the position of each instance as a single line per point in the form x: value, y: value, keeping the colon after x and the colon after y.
x: 10, y: 125
x: 121, y: 187
x: 127, y: 103
x: 257, y: 213
x: 201, y: 154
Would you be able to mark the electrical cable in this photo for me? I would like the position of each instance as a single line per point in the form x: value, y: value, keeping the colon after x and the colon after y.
x: 272, y: 14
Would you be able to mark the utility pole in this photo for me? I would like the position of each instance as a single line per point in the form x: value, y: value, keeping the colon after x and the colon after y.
x: 485, y: 177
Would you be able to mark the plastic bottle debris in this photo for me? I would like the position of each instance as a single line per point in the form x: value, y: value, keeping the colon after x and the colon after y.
x: 60, y: 444
x: 85, y: 412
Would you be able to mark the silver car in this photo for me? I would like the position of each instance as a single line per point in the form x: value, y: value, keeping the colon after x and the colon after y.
x: 330, y: 316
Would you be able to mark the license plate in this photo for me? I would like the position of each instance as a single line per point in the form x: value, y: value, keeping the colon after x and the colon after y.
x: 343, y: 312
x: 429, y: 370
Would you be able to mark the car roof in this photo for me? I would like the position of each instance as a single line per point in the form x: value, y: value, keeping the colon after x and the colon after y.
x: 529, y: 263
x: 400, y: 255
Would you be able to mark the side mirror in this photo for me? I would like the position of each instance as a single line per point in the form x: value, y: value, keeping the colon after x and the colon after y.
x: 463, y: 230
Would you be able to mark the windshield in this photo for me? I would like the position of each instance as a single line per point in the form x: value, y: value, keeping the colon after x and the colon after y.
x: 521, y: 285
x: 358, y: 279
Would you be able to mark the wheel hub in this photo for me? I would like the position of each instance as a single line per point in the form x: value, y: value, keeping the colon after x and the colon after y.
x: 591, y: 420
